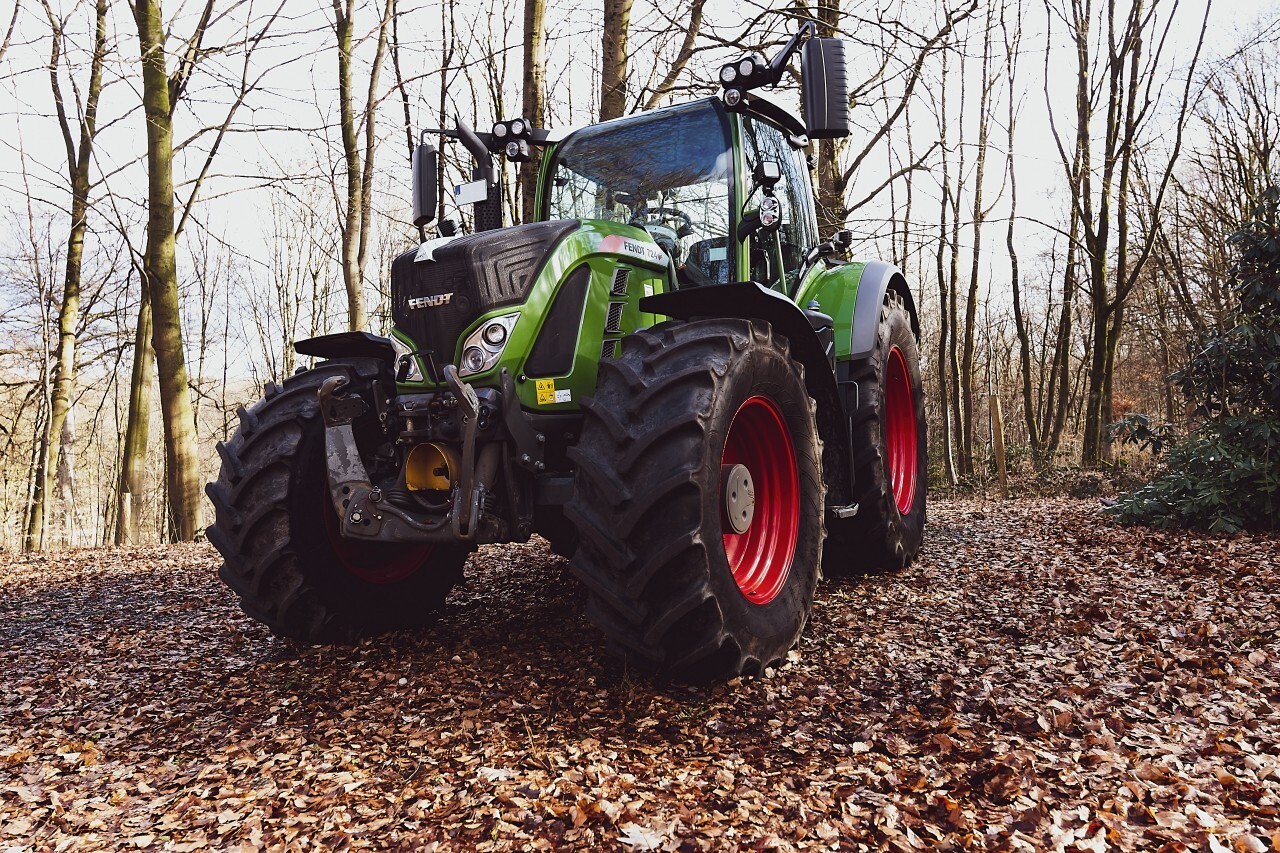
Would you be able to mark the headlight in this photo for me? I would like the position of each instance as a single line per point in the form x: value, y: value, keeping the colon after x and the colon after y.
x: 499, y: 130
x: 405, y: 356
x: 746, y: 66
x: 517, y: 127
x: 728, y: 74
x: 494, y: 334
x: 769, y: 210
x: 483, y: 347
x: 473, y: 359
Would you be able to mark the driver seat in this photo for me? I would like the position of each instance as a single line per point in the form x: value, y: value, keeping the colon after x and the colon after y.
x: 711, y: 258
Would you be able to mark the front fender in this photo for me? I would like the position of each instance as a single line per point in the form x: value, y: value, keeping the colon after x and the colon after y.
x: 348, y: 345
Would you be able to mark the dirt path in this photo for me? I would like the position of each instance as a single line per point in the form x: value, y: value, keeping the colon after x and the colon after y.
x: 1042, y: 679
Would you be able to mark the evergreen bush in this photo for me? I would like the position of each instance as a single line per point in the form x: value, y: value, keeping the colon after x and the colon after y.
x: 1225, y: 474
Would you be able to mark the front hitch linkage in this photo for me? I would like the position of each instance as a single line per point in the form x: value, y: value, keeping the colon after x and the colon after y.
x: 356, y: 500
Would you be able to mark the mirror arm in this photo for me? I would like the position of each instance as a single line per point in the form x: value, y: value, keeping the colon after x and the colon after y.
x: 473, y: 142
x: 782, y: 57
x: 823, y: 250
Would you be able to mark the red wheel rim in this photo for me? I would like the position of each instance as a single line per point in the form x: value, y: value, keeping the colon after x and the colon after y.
x: 900, y: 431
x: 372, y: 562
x: 760, y: 557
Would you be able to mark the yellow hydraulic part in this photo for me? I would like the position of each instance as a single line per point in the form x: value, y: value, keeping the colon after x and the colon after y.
x: 430, y: 467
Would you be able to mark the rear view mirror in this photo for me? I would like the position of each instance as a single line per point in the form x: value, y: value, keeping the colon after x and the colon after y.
x: 826, y: 88
x: 424, y: 184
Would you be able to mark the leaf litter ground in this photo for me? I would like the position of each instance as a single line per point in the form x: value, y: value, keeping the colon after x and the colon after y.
x: 1040, y: 679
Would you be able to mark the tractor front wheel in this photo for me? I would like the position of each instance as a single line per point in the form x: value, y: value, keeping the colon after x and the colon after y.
x: 698, y: 500
x: 278, y: 534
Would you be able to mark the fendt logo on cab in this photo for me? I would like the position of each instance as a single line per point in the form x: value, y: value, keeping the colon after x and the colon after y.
x: 430, y: 301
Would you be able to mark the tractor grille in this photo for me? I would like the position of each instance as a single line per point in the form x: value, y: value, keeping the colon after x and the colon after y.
x: 609, y: 349
x: 620, y: 278
x: 468, y: 277
x: 613, y: 323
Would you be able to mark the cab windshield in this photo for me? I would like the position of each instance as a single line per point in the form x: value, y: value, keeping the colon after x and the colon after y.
x: 668, y: 171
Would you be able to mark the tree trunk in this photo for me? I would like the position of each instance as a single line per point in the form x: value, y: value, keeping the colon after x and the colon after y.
x: 1029, y: 408
x: 613, y: 59
x: 535, y: 97
x: 358, y: 213
x: 352, y: 270
x: 971, y: 300
x: 945, y: 388
x: 79, y: 155
x: 137, y: 434
x: 161, y: 275
x: 35, y: 513
x: 1056, y: 409
x: 1091, y: 450
x: 33, y: 524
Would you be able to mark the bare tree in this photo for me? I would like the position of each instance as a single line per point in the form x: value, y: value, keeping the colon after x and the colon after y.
x: 1129, y: 51
x: 614, y: 59
x: 159, y: 93
x: 357, y: 213
x: 836, y: 168
x: 137, y: 435
x: 692, y: 27
x: 78, y: 134
x: 535, y: 95
x: 979, y: 216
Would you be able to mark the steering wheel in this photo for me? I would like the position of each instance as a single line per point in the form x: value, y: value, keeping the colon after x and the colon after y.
x: 641, y: 217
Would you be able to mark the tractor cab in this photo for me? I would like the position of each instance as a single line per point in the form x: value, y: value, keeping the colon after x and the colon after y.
x: 669, y: 172
x: 721, y: 211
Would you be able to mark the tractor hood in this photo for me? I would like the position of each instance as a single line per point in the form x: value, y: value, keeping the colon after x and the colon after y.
x: 435, y: 296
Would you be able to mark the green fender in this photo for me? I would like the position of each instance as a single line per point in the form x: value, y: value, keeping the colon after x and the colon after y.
x: 852, y: 295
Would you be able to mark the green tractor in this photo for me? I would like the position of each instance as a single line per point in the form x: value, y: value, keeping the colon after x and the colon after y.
x: 668, y: 375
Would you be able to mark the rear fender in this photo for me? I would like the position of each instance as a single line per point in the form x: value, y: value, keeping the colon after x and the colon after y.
x: 749, y: 301
x: 852, y: 295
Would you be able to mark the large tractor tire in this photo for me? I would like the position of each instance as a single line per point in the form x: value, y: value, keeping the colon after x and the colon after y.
x: 277, y: 529
x: 889, y: 450
x: 698, y: 500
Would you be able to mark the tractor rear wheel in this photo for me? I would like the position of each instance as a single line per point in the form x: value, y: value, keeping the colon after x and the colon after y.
x: 889, y: 450
x: 277, y: 529
x: 698, y: 500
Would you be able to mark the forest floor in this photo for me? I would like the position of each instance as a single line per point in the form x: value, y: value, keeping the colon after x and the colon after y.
x: 1040, y: 679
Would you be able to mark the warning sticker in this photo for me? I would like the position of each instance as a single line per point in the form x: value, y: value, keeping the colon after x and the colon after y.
x: 546, y: 389
x: 564, y: 395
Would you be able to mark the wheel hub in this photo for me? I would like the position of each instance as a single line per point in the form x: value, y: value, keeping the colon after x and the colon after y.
x: 739, y: 496
x: 761, y: 523
x: 900, y: 431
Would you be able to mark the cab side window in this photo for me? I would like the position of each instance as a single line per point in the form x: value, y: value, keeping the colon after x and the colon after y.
x: 763, y: 141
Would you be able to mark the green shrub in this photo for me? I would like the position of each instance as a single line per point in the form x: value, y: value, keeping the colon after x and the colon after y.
x: 1224, y: 475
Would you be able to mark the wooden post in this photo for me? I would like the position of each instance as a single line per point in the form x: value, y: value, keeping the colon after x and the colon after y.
x: 997, y: 444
